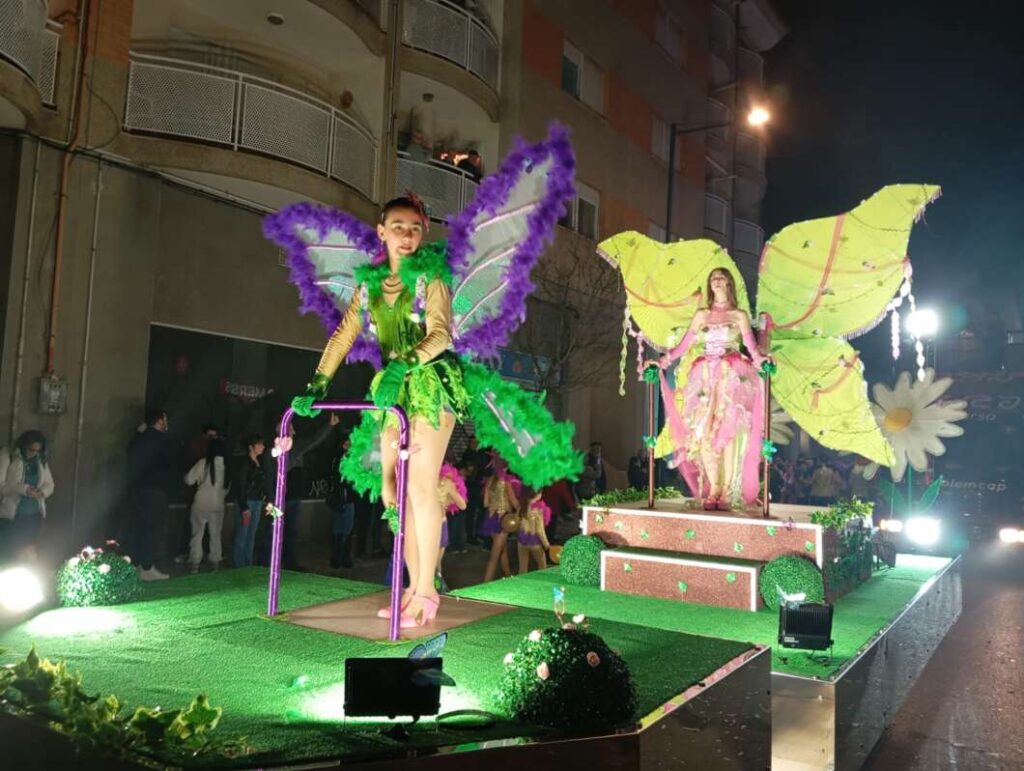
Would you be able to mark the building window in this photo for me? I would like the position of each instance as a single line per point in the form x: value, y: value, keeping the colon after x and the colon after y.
x: 659, y: 138
x: 582, y: 77
x: 572, y: 69
x: 583, y: 213
x: 669, y: 35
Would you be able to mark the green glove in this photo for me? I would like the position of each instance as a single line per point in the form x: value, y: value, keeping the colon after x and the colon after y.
x: 315, y: 392
x: 390, y: 384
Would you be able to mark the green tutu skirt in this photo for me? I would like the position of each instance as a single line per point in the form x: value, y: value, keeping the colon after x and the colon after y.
x: 507, y: 419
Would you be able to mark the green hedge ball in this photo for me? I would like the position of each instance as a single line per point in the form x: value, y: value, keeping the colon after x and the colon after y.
x: 84, y: 583
x: 791, y: 575
x: 568, y: 679
x: 581, y: 560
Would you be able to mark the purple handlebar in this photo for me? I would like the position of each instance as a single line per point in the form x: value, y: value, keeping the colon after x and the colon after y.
x: 398, y: 561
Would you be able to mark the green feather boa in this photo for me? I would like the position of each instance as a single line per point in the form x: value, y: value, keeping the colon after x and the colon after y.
x: 537, y: 448
x: 429, y: 261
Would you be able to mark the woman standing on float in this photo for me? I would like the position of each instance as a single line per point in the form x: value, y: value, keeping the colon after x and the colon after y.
x: 716, y: 414
x: 421, y: 376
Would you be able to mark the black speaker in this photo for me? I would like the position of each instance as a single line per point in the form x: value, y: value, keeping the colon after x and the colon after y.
x: 805, y: 625
x: 390, y: 687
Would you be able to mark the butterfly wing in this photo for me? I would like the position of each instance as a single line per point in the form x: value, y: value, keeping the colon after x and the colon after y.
x: 820, y: 383
x: 834, y: 276
x: 324, y: 246
x: 665, y: 283
x: 431, y: 649
x: 495, y: 241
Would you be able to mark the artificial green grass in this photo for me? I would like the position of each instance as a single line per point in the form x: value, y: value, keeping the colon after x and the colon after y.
x: 281, y: 685
x: 859, y: 616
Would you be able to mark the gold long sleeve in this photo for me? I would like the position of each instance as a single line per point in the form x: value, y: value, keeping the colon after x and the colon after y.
x: 341, y: 341
x: 439, y: 322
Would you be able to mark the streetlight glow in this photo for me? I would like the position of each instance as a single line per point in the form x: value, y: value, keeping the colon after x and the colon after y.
x: 923, y: 322
x: 758, y: 116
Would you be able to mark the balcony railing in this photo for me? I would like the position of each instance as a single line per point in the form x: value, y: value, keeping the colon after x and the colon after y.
x: 716, y: 214
x: 722, y: 31
x: 717, y: 114
x: 747, y: 237
x: 243, y: 112
x: 445, y: 30
x: 751, y: 66
x: 444, y: 188
x: 750, y: 153
x: 27, y: 44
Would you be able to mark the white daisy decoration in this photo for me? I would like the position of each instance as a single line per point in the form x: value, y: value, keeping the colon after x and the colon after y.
x: 914, y: 420
x: 782, y: 425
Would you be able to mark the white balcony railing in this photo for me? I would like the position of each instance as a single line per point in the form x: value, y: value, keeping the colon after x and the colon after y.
x: 721, y: 31
x: 747, y: 237
x: 27, y: 44
x: 443, y: 187
x: 750, y: 153
x: 718, y: 114
x: 716, y: 214
x: 451, y: 32
x: 243, y: 112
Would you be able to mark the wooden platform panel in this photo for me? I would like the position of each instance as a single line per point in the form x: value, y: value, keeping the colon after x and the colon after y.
x: 357, y: 617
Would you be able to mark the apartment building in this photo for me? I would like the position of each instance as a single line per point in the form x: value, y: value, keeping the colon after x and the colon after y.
x: 141, y: 141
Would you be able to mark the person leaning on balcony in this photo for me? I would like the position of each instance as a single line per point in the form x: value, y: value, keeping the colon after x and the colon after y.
x: 419, y: 148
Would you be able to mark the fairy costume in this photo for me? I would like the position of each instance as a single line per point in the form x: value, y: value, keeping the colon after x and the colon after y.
x: 450, y: 487
x: 531, y: 527
x: 820, y: 283
x: 446, y: 313
x: 501, y: 497
x: 717, y: 407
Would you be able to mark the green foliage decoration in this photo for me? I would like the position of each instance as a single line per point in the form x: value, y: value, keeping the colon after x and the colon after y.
x: 41, y: 690
x: 97, y: 577
x: 790, y: 575
x: 629, y: 495
x: 581, y: 560
x: 568, y: 679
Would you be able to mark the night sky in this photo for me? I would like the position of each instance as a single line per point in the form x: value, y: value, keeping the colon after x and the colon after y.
x: 873, y: 92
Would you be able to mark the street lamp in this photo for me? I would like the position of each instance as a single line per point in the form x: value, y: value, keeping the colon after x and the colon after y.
x: 923, y: 322
x: 757, y: 117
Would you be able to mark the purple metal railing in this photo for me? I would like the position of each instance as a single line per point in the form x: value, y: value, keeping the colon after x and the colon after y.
x: 402, y: 471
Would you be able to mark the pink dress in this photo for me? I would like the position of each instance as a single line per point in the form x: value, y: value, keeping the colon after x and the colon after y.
x: 722, y: 410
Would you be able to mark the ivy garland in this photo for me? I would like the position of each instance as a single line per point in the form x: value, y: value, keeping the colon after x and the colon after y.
x: 49, y: 693
x: 629, y: 495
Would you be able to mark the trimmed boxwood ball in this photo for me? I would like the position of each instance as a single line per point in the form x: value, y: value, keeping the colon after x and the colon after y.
x: 95, y: 577
x: 581, y: 560
x: 790, y: 575
x: 567, y: 679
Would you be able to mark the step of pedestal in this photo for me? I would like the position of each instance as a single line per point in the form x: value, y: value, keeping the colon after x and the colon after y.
x: 704, y: 580
x: 724, y: 534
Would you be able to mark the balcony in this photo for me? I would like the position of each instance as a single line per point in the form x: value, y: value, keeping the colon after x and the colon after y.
x: 722, y: 33
x: 445, y: 189
x: 716, y: 217
x: 750, y: 179
x: 452, y: 33
x: 27, y: 43
x: 718, y: 139
x: 747, y: 241
x: 244, y: 113
x: 751, y: 68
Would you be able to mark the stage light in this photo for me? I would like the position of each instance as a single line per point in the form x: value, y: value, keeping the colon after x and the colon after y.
x: 924, y: 531
x: 805, y: 625
x: 1011, y: 535
x: 758, y: 116
x: 891, y: 525
x: 19, y: 590
x: 923, y: 322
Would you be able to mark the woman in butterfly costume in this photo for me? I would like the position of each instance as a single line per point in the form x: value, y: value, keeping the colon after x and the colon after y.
x: 820, y: 283
x: 431, y: 313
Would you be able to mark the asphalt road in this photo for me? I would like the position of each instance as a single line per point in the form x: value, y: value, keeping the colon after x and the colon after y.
x: 965, y: 710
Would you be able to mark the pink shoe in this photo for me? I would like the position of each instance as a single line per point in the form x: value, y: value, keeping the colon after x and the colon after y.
x: 385, y: 612
x: 425, y: 615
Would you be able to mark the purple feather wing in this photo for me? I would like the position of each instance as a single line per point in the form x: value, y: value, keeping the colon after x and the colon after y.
x: 324, y: 246
x: 496, y: 240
